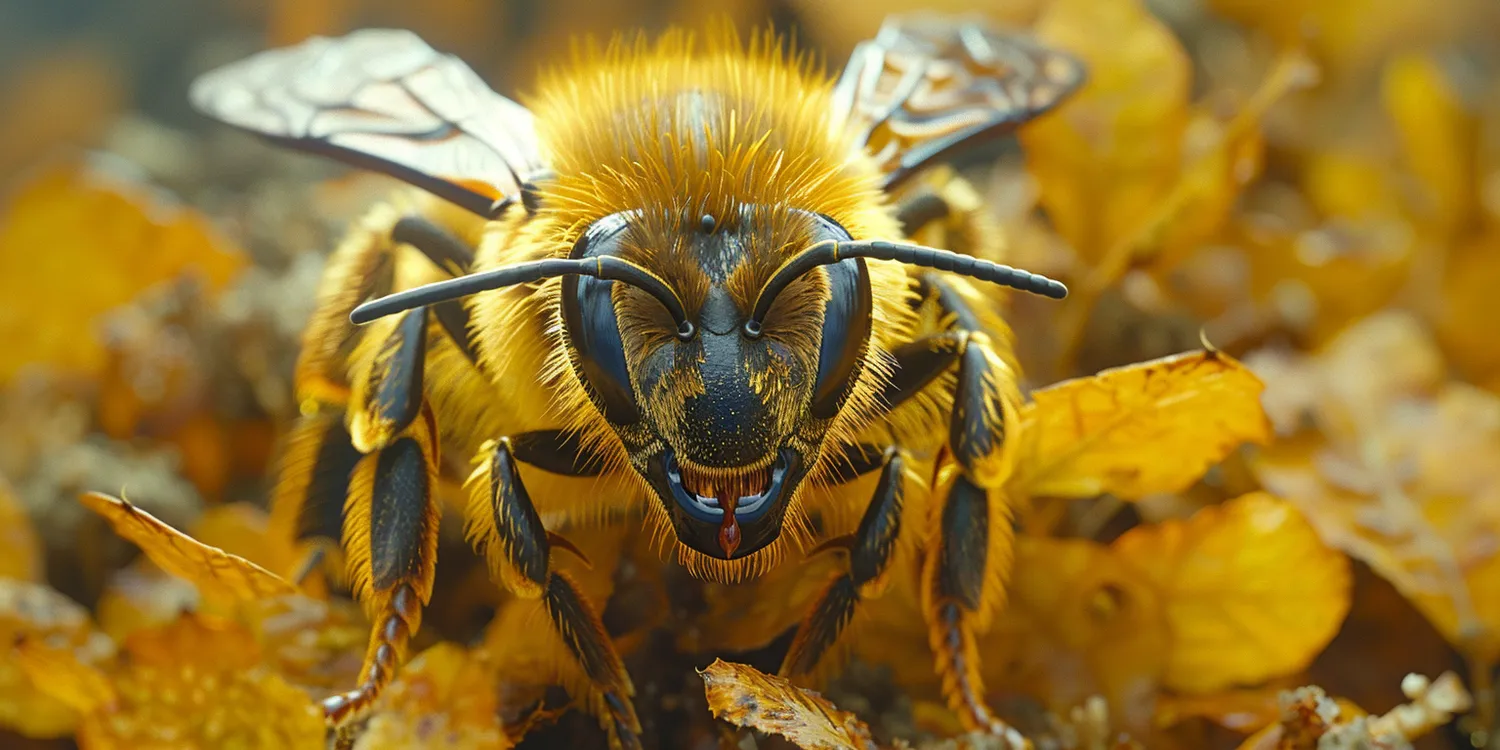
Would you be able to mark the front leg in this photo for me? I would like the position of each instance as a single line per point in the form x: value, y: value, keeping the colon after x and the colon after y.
x: 870, y: 550
x: 504, y: 525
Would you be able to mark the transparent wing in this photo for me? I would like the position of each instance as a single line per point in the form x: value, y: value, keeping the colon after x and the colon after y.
x: 384, y: 100
x: 927, y: 85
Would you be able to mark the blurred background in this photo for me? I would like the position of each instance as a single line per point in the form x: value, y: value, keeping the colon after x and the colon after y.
x: 1311, y: 185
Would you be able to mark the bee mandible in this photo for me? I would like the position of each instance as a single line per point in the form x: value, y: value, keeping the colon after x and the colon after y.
x: 681, y: 270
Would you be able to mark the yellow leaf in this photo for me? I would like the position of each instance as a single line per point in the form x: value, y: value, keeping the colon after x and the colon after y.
x: 76, y: 242
x: 60, y: 674
x: 1438, y: 136
x: 1080, y: 621
x: 1250, y: 591
x: 217, y: 574
x: 1109, y: 155
x: 1434, y: 540
x: 142, y: 596
x: 1465, y: 321
x: 1146, y: 428
x: 20, y: 552
x: 43, y: 619
x: 199, y: 682
x: 444, y: 698
x: 745, y: 697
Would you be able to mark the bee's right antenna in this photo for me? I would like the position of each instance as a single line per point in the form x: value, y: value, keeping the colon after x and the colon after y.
x: 832, y: 251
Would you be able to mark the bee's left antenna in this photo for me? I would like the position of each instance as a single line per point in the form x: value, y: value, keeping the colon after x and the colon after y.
x: 602, y: 267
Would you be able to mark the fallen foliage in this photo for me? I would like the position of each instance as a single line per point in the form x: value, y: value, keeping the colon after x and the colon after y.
x: 1274, y: 387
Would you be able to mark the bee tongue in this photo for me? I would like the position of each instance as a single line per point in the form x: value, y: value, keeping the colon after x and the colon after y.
x: 729, y: 528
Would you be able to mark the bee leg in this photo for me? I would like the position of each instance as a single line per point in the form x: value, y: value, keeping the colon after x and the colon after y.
x: 965, y: 566
x: 311, y: 484
x: 870, y: 550
x: 391, y: 514
x: 390, y: 538
x: 504, y: 524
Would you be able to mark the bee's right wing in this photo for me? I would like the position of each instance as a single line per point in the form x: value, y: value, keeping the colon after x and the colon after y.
x: 927, y: 85
x: 384, y: 100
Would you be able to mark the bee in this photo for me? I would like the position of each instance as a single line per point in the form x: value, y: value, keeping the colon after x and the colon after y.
x: 673, y: 287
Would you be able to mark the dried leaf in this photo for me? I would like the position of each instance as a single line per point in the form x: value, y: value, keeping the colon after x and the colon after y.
x: 107, y: 240
x: 1081, y: 620
x: 1438, y: 136
x: 1250, y: 591
x: 745, y: 697
x: 49, y: 622
x: 444, y: 698
x: 199, y: 682
x: 1146, y: 428
x: 143, y: 596
x: 217, y: 574
x: 1430, y: 535
x: 1404, y: 474
x: 59, y: 672
x: 1310, y: 720
x: 1110, y: 155
x: 1465, y: 319
x: 20, y: 551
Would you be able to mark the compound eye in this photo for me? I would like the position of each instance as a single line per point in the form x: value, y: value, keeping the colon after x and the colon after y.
x: 846, y: 325
x: 593, y: 329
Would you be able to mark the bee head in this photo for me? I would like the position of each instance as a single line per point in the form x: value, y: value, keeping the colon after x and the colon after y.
x: 723, y: 414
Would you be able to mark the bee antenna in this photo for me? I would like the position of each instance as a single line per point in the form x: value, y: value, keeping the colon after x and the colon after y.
x: 832, y: 251
x: 601, y: 267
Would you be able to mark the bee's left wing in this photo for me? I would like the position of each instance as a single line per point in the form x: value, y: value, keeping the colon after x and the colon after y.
x: 928, y: 85
x: 384, y: 100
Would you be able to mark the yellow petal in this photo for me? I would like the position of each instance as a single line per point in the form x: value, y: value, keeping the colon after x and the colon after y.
x: 1250, y: 591
x: 217, y: 574
x: 745, y: 697
x: 1131, y: 431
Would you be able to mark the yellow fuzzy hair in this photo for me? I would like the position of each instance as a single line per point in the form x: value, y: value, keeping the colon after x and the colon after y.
x: 675, y: 129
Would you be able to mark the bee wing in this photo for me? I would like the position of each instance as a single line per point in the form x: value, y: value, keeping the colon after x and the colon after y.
x: 382, y: 99
x: 927, y: 85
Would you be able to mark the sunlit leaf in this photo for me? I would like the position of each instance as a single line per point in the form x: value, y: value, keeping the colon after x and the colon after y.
x: 444, y: 698
x: 1250, y: 591
x: 106, y: 241
x: 1150, y: 427
x: 217, y: 574
x: 20, y: 552
x: 59, y: 673
x: 745, y: 697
